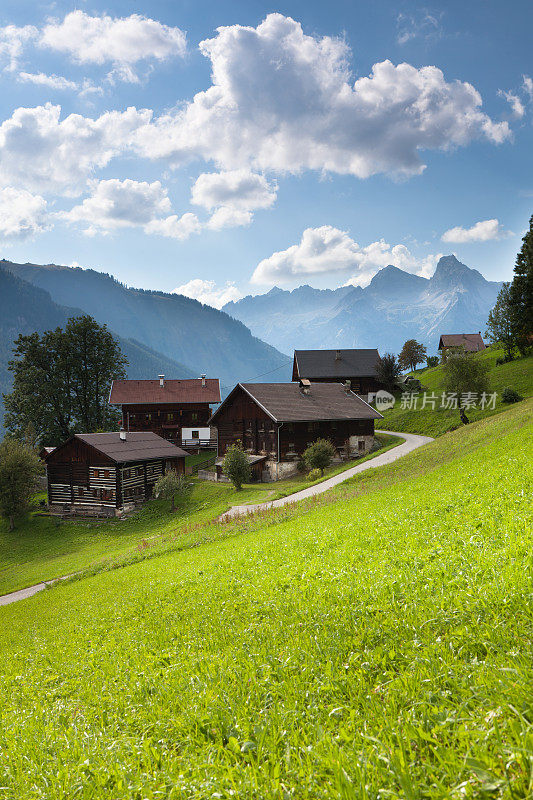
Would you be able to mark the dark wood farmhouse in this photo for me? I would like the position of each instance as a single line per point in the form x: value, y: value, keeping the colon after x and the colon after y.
x: 326, y: 366
x: 468, y: 342
x: 177, y: 410
x: 279, y: 420
x: 108, y: 472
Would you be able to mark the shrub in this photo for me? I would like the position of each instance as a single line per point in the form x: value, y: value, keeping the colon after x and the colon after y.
x: 432, y: 361
x: 510, y: 395
x: 301, y: 466
x: 236, y: 466
x: 19, y: 468
x: 314, y: 475
x: 319, y: 455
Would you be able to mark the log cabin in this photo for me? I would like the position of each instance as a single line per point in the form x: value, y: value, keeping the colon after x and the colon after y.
x: 177, y: 410
x: 278, y: 421
x: 465, y: 342
x: 358, y: 367
x: 108, y: 473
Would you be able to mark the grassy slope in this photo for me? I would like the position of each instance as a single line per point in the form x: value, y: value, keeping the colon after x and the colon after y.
x: 41, y: 548
x: 377, y: 646
x: 516, y: 374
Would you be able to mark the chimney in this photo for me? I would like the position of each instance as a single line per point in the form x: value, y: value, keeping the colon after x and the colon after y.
x: 203, y: 380
x: 162, y: 381
x: 305, y: 386
x: 337, y: 355
x: 347, y: 386
x: 122, y: 435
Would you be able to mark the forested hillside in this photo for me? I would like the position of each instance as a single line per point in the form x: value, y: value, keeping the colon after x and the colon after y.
x: 25, y: 308
x: 202, y: 338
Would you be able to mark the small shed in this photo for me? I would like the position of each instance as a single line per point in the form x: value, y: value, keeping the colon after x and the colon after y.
x: 107, y: 473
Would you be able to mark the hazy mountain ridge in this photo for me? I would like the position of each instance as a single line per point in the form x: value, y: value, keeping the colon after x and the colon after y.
x: 25, y: 308
x: 195, y: 335
x: 396, y: 305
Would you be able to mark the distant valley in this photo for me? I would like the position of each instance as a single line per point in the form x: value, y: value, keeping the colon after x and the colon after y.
x: 158, y: 332
x: 395, y: 306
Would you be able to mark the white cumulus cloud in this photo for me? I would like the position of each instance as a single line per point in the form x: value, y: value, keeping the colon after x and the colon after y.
x: 115, y: 204
x: 283, y: 101
x: 233, y: 195
x: 327, y: 250
x: 209, y: 293
x: 483, y: 231
x: 21, y: 214
x: 175, y: 227
x: 41, y: 152
x: 121, y: 41
x: 240, y: 189
x: 118, y: 204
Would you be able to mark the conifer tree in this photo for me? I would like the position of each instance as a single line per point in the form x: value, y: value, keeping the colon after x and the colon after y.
x: 521, y: 293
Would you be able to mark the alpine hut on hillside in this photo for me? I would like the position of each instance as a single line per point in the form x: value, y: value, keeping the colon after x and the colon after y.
x: 108, y: 472
x: 177, y: 410
x: 358, y: 367
x: 466, y: 342
x: 277, y: 422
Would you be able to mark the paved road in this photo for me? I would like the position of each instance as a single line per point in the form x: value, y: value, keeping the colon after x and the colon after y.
x: 412, y: 442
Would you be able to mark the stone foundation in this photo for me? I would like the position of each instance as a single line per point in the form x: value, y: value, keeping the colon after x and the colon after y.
x: 355, y: 450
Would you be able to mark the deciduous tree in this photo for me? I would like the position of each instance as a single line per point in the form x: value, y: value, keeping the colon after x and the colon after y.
x: 388, y: 370
x: 61, y: 381
x: 465, y: 375
x: 413, y: 353
x: 171, y: 485
x: 19, y: 468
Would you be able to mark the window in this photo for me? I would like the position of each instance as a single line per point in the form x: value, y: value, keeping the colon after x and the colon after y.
x: 195, y: 434
x: 139, y: 471
x: 194, y: 416
x: 106, y: 473
x: 170, y: 417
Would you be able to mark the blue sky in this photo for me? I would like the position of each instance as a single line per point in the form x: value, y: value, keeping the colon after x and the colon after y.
x: 302, y: 143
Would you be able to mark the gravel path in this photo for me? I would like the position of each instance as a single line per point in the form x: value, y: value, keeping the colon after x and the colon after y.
x: 412, y: 442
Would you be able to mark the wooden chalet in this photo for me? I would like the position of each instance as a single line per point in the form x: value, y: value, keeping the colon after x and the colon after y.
x: 108, y: 472
x: 177, y: 410
x: 358, y: 367
x: 468, y: 342
x: 277, y: 421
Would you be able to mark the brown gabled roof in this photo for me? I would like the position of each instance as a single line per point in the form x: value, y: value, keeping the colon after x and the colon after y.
x: 334, y: 364
x: 469, y: 341
x: 286, y: 402
x: 138, y: 446
x: 188, y: 390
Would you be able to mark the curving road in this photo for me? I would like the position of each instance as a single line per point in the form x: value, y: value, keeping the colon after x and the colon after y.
x: 412, y: 442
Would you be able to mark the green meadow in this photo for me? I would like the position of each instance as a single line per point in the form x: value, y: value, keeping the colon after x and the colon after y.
x: 42, y: 548
x: 517, y: 374
x: 373, y: 644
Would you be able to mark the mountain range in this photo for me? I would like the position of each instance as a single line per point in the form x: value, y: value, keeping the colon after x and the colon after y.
x: 395, y: 306
x: 158, y: 332
x: 175, y: 335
